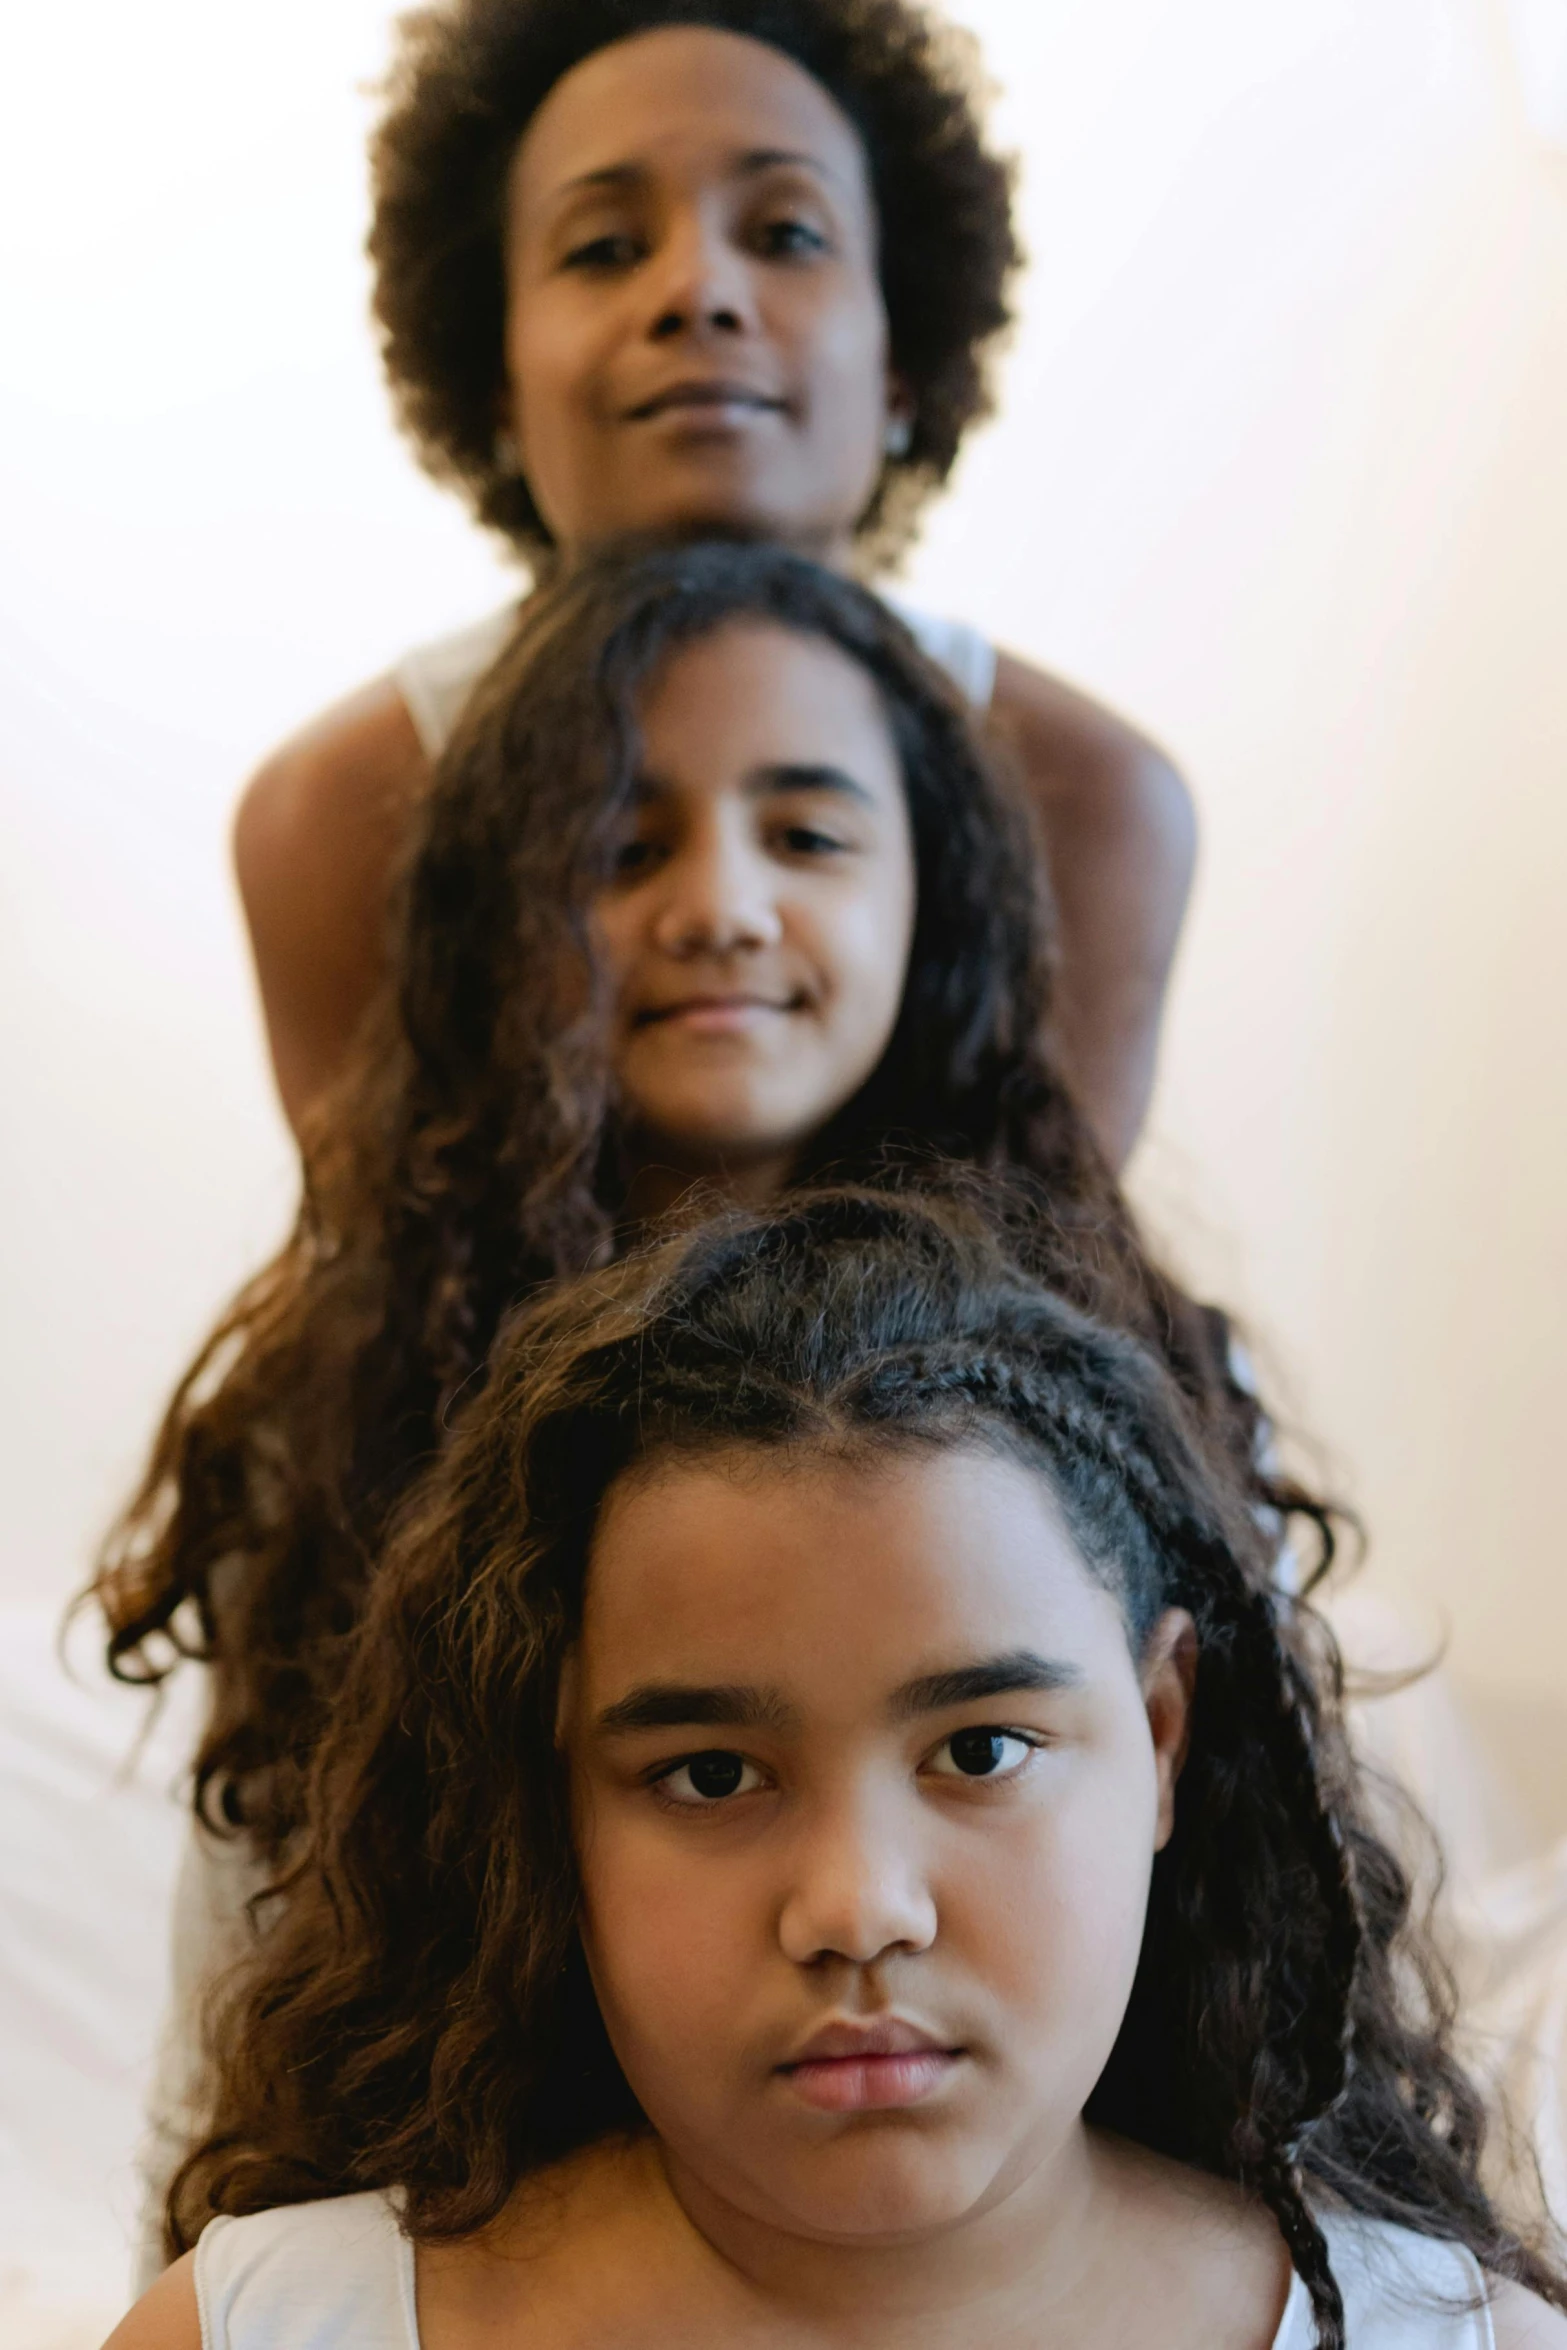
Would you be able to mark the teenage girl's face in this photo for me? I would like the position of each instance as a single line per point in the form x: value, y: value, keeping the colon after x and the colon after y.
x: 755, y: 931
x: 695, y: 328
x: 867, y: 1789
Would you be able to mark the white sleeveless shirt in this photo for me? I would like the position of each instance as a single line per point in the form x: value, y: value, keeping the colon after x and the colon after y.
x: 339, y: 2275
x: 436, y: 679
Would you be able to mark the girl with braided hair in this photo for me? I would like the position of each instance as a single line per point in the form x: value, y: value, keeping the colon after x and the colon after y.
x: 825, y: 1837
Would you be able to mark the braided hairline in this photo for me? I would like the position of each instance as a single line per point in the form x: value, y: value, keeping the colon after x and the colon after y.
x: 1024, y: 1397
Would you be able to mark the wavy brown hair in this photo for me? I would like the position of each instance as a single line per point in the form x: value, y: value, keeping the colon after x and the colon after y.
x: 469, y: 77
x: 418, y: 2014
x: 472, y: 1150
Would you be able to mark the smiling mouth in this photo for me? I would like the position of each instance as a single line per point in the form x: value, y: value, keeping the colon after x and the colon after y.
x: 713, y: 400
x: 714, y: 1011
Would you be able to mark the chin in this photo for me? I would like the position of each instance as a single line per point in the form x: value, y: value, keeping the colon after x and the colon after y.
x: 881, y: 2192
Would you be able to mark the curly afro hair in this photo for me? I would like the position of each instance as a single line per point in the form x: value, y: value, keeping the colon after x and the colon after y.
x: 469, y: 77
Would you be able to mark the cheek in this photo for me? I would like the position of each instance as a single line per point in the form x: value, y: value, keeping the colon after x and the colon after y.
x: 848, y: 336
x: 868, y: 952
x: 547, y: 359
x: 1061, y: 1928
x: 666, y: 1938
x: 614, y: 933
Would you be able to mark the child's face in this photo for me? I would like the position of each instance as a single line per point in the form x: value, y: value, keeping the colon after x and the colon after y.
x: 756, y: 929
x: 867, y: 1788
x: 695, y: 332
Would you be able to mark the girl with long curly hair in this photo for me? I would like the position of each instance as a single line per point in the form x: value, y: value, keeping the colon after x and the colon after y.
x: 827, y: 1836
x: 713, y: 889
x: 675, y: 267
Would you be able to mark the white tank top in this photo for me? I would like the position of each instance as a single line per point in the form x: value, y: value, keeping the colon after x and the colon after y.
x: 340, y: 2276
x: 436, y: 679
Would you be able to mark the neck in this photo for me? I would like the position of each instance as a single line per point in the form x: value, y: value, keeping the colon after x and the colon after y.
x: 834, y: 550
x: 1026, y: 2258
x: 663, y: 1188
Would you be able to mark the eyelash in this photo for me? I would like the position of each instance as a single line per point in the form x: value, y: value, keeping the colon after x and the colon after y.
x: 632, y: 860
x: 659, y: 1780
x: 777, y: 241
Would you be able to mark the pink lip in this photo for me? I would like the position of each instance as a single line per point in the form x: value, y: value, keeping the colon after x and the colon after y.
x: 713, y: 1015
x: 853, y: 2068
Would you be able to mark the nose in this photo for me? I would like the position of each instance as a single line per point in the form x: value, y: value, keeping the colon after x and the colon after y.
x: 859, y: 1889
x: 701, y: 285
x: 716, y: 899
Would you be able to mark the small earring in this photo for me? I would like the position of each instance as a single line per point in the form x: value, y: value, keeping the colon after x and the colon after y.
x: 898, y: 438
x: 507, y: 455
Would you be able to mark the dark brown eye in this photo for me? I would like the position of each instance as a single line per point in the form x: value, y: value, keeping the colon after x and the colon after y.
x: 715, y: 1775
x: 977, y: 1752
x: 707, y: 1779
x: 787, y: 239
x: 982, y: 1753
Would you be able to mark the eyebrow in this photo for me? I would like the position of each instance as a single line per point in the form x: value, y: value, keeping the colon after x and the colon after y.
x: 781, y: 775
x: 991, y: 1676
x: 785, y: 775
x: 680, y: 1705
x: 750, y: 163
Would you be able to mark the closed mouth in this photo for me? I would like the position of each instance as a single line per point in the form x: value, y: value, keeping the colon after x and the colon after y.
x: 850, y: 2068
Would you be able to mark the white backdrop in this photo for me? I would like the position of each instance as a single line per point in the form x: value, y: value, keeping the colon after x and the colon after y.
x: 1282, y: 470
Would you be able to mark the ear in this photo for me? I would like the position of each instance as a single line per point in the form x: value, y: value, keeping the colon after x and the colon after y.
x: 901, y: 405
x: 1169, y: 1676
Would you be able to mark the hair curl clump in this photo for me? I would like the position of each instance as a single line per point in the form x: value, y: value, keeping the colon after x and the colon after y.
x: 418, y: 2013
x: 469, y: 77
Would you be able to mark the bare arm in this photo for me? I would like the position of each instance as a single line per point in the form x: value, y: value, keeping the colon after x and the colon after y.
x: 166, y: 2317
x: 315, y: 842
x: 1121, y: 837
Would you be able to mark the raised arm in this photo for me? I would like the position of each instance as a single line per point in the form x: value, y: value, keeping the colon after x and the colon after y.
x: 315, y: 842
x: 1121, y: 836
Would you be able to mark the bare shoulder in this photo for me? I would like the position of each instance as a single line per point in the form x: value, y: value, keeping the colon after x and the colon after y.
x: 1102, y: 783
x: 1036, y: 703
x: 166, y: 2317
x: 316, y: 839
x: 344, y: 772
x: 1198, y: 2258
x: 1522, y: 2321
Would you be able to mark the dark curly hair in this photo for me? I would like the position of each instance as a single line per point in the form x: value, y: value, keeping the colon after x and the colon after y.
x: 419, y: 2016
x: 468, y: 79
x: 472, y: 1151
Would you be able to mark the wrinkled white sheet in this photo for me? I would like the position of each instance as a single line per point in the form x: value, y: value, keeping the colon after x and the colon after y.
x: 88, y: 1850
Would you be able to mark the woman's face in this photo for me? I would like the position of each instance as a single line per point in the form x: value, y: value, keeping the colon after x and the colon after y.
x: 695, y: 328
x: 755, y: 929
x: 867, y: 1788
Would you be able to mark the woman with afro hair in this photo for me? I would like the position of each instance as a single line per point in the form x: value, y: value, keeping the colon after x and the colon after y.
x: 684, y: 267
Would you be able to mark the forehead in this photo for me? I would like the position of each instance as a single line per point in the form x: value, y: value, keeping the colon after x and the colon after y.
x: 753, y: 694
x: 835, y: 1578
x: 683, y: 97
